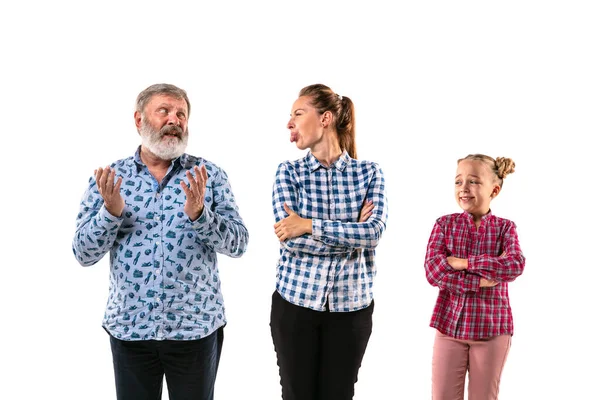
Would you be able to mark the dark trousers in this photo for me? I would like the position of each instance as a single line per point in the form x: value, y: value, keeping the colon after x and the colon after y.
x: 190, y: 367
x: 318, y: 353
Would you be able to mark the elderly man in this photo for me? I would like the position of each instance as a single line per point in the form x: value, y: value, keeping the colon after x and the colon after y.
x: 163, y: 215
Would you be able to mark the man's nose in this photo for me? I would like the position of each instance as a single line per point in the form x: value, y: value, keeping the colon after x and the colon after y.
x: 173, y: 120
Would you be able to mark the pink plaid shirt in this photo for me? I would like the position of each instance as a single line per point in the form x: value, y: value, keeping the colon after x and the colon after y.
x: 463, y: 310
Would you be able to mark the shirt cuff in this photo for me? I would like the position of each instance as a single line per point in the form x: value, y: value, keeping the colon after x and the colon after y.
x: 107, y: 219
x: 317, y: 228
x: 471, y: 264
x: 201, y: 224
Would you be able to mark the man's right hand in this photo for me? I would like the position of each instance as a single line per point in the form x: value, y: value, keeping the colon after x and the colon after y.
x: 110, y: 190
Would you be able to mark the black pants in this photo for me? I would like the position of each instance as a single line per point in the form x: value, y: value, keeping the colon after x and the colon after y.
x: 190, y: 367
x: 318, y: 353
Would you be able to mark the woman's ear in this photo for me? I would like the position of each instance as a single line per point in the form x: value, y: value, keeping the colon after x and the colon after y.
x: 326, y: 119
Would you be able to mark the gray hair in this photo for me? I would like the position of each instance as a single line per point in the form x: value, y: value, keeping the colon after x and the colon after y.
x: 160, y: 88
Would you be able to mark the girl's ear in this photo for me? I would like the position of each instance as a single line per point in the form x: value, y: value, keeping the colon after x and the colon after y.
x: 495, y: 191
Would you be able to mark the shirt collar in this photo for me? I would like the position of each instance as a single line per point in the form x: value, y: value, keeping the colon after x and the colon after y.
x: 184, y: 159
x: 484, y: 218
x: 314, y: 164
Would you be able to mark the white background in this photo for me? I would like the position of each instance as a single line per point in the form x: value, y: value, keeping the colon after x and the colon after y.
x: 431, y: 82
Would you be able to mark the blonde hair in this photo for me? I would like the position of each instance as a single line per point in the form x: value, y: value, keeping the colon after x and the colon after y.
x: 500, y: 167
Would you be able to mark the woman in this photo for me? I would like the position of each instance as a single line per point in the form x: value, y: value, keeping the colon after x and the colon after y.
x: 330, y: 212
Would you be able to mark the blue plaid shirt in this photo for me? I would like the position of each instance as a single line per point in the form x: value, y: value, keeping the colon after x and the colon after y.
x: 164, y: 280
x: 336, y: 264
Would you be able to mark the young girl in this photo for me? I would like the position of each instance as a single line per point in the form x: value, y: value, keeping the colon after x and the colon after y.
x: 471, y: 257
x: 330, y: 212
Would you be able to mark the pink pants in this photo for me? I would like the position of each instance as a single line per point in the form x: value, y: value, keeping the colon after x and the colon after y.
x: 452, y: 358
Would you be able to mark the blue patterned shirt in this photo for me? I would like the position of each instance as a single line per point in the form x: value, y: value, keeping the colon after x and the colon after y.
x: 164, y: 280
x: 336, y: 264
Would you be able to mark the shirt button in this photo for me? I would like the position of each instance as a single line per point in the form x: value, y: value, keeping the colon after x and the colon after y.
x: 157, y: 218
x: 158, y: 299
x: 158, y: 243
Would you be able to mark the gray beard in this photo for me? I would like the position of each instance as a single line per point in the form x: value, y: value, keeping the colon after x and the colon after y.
x: 168, y: 149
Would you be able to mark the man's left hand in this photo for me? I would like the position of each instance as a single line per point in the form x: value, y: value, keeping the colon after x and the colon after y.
x: 194, y: 192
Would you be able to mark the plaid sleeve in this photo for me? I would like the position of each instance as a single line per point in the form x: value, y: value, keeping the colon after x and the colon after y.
x: 285, y: 190
x: 501, y: 268
x: 438, y: 271
x: 358, y: 235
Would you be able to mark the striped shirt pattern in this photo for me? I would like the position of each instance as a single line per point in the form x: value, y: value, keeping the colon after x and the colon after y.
x: 336, y: 264
x: 464, y: 310
x: 164, y: 280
